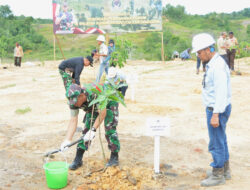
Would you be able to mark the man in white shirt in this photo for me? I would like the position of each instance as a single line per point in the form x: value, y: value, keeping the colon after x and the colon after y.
x: 103, y: 52
x: 222, y: 46
x: 18, y: 54
x: 119, y: 78
x: 216, y: 94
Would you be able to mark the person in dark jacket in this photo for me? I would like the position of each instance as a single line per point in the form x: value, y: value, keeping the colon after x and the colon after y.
x: 71, y: 69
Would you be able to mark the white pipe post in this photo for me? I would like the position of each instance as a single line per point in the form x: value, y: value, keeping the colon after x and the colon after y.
x: 157, y: 155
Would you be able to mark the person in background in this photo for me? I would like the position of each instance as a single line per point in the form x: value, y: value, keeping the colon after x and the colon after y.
x: 222, y: 46
x: 105, y: 64
x: 175, y: 55
x: 103, y: 53
x: 18, y: 54
x: 185, y: 54
x: 198, y: 64
x: 118, y: 77
x: 231, y: 51
x: 111, y: 49
x: 216, y: 94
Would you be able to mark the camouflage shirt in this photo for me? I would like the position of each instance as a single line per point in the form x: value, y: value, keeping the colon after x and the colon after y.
x: 85, y: 106
x: 72, y: 93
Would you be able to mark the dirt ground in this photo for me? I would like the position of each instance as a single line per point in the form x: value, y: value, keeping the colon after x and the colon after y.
x: 172, y: 89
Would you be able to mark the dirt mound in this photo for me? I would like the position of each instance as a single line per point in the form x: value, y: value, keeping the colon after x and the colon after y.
x: 122, y: 178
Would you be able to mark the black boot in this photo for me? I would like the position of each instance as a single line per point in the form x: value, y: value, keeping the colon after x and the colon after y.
x: 78, y: 159
x: 113, y: 161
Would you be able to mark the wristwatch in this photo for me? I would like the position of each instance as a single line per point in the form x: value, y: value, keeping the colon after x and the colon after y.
x: 93, y: 129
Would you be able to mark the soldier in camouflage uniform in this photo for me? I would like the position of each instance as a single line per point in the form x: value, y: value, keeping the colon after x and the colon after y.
x: 80, y: 98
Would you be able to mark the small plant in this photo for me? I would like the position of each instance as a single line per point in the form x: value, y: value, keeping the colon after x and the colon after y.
x: 7, y: 86
x: 34, y: 80
x: 120, y: 55
x: 23, y: 111
x: 107, y: 93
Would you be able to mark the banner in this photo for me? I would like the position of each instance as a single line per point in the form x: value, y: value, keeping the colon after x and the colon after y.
x: 106, y: 16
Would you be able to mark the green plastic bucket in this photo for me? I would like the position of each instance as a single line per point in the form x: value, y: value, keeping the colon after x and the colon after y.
x: 56, y: 174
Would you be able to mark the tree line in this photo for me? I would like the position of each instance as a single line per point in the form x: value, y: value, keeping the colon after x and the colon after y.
x: 178, y: 29
x: 213, y: 23
x: 19, y: 29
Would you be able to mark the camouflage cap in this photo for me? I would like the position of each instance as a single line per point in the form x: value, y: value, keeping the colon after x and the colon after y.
x: 72, y: 93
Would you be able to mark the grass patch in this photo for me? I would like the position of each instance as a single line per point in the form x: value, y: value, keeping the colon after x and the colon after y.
x: 7, y: 86
x: 23, y: 111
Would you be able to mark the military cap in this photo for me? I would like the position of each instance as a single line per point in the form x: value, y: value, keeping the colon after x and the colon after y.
x: 72, y: 93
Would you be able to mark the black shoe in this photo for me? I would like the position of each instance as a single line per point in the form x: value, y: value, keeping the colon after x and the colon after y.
x: 78, y: 159
x: 113, y: 161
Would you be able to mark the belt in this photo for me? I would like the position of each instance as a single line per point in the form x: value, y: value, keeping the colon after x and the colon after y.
x: 210, y: 108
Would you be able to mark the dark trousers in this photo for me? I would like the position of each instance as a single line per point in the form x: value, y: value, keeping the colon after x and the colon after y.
x: 123, y: 90
x: 199, y: 64
x: 18, y: 61
x: 225, y: 57
x: 231, y: 56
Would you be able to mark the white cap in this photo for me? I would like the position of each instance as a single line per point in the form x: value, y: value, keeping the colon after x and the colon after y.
x: 112, y: 72
x: 202, y: 41
x: 100, y: 38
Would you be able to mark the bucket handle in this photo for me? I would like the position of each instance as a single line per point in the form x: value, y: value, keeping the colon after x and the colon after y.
x: 46, y: 159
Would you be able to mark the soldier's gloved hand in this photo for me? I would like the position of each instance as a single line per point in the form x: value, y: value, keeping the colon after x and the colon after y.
x: 90, y: 135
x: 64, y: 144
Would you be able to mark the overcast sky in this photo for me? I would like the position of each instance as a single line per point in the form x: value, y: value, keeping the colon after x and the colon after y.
x: 43, y: 8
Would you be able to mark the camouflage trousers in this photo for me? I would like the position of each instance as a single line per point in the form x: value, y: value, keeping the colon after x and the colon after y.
x: 110, y: 124
x: 67, y: 78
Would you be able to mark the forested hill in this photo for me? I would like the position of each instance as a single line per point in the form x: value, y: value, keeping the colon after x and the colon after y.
x: 36, y: 35
x: 19, y: 29
x: 180, y: 27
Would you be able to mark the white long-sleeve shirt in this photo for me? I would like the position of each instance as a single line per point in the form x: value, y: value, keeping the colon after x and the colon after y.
x: 216, y: 91
x: 103, y: 50
x: 221, y: 44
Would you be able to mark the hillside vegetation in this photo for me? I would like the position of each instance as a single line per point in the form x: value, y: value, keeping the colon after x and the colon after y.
x: 19, y: 29
x: 36, y: 35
